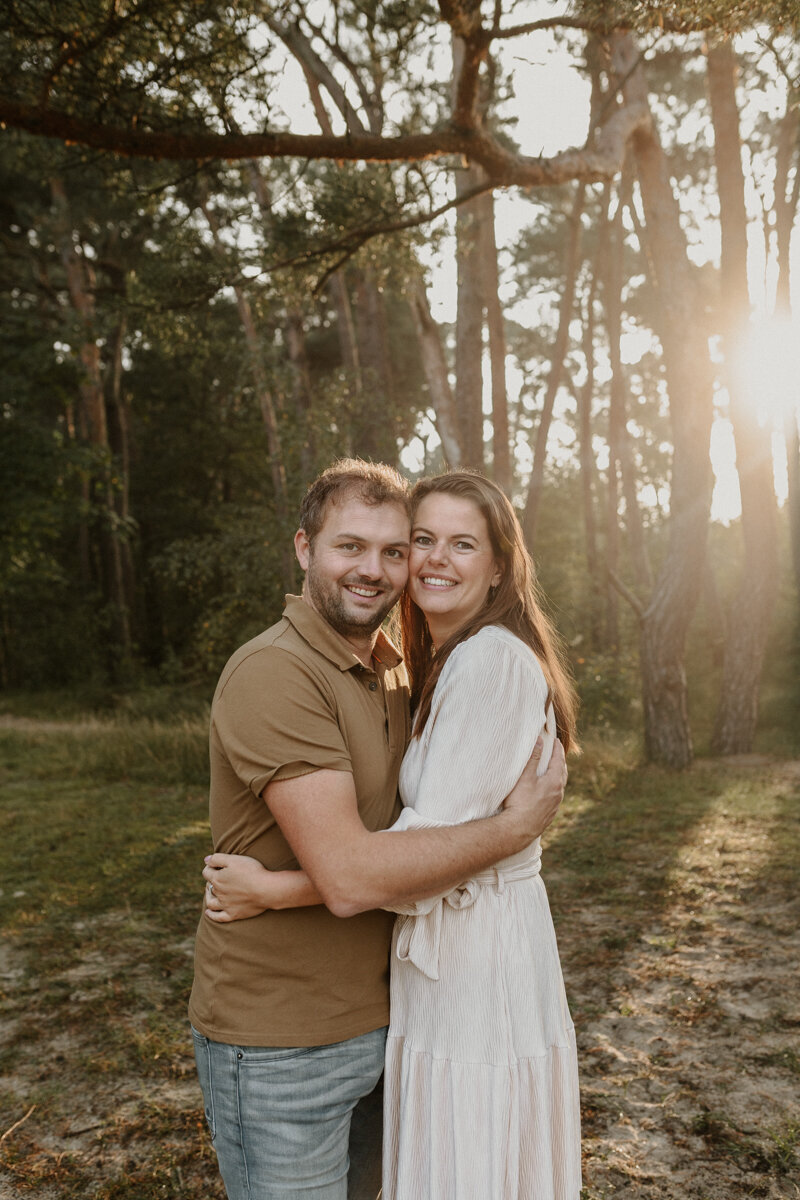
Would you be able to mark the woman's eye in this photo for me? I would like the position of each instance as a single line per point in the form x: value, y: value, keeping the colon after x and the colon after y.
x: 422, y: 540
x: 464, y: 545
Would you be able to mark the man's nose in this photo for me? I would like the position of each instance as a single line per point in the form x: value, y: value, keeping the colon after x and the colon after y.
x: 371, y: 564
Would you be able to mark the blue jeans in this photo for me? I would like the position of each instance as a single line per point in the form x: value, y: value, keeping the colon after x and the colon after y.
x: 280, y: 1118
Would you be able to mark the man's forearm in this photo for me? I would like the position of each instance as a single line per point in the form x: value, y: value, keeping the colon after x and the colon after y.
x: 354, y: 869
x: 380, y: 871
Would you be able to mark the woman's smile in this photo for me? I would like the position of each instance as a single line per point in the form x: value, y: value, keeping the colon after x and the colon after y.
x: 452, y: 564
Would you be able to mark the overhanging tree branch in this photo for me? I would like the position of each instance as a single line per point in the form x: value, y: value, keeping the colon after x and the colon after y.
x: 503, y: 167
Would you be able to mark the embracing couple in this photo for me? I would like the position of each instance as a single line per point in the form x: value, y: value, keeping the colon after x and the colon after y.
x: 315, y: 855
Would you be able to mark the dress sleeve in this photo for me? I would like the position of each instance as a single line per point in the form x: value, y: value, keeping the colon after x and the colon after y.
x: 488, y: 710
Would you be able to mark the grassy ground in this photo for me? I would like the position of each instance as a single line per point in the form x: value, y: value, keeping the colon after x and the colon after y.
x: 676, y: 900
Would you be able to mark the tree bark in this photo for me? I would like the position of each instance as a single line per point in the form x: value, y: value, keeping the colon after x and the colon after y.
x: 502, y: 469
x: 294, y: 329
x: 584, y: 397
x: 792, y: 435
x: 530, y: 517
x: 435, y: 367
x: 665, y: 620
x: 612, y: 295
x: 785, y: 206
x: 277, y: 469
x: 619, y: 438
x: 786, y: 202
x: 81, y: 287
x: 373, y: 432
x: 120, y: 444
x: 750, y: 614
x: 469, y: 320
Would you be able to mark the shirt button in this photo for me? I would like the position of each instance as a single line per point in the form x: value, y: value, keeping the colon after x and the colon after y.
x: 373, y: 687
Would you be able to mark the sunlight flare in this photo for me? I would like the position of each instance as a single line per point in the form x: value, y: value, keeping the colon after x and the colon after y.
x: 768, y: 367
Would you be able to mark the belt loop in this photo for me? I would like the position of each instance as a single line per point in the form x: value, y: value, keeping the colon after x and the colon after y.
x: 500, y: 882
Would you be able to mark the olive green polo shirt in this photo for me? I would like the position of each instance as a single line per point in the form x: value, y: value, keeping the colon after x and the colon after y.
x: 296, y: 699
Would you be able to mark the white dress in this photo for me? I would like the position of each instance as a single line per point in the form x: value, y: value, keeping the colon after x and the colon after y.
x: 481, y: 1081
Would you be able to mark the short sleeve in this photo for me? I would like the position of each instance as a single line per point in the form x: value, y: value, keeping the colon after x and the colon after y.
x: 488, y: 710
x: 276, y: 718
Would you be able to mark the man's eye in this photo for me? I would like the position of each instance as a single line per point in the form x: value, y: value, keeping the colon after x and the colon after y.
x: 395, y: 553
x: 348, y: 546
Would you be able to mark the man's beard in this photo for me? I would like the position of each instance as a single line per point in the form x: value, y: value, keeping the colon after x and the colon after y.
x: 330, y: 604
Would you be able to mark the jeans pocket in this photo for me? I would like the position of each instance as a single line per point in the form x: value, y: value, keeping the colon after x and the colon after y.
x: 261, y: 1056
x: 202, y: 1056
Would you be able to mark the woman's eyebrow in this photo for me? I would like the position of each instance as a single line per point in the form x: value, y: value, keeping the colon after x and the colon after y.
x: 421, y: 529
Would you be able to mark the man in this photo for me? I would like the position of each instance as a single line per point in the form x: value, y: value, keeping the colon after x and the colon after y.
x: 308, y: 728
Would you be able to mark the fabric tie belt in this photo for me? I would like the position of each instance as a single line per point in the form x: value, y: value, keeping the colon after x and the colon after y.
x: 418, y: 931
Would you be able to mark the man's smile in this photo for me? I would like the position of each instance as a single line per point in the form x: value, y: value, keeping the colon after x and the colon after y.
x: 360, y: 589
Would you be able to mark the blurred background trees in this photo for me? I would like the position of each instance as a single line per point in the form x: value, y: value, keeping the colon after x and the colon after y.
x: 190, y: 330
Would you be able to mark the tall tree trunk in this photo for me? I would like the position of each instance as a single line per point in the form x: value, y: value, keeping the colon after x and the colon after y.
x: 786, y: 201
x: 502, y: 470
x: 751, y: 611
x: 469, y: 319
x: 533, y: 502
x: 301, y: 387
x: 619, y: 439
x: 294, y: 332
x: 373, y: 431
x: 665, y: 620
x: 612, y: 295
x: 119, y: 427
x: 792, y: 435
x: 584, y: 398
x: 346, y: 332
x: 435, y: 367
x: 80, y: 287
x: 785, y: 206
x: 269, y: 416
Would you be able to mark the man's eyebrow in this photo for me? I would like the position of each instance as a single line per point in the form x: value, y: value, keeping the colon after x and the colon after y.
x: 359, y: 537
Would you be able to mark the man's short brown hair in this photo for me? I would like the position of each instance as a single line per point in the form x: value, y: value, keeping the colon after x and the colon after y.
x: 371, y: 483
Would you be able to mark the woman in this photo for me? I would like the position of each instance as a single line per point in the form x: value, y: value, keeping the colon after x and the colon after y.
x: 481, y: 1091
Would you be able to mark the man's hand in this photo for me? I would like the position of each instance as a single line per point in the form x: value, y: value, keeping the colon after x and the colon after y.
x: 535, y: 799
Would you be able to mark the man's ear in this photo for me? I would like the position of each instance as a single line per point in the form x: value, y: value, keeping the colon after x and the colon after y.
x: 302, y: 548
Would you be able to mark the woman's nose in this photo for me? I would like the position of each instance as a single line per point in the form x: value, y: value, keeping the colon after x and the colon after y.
x: 438, y: 553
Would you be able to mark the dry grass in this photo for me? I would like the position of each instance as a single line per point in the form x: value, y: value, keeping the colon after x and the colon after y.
x: 676, y: 903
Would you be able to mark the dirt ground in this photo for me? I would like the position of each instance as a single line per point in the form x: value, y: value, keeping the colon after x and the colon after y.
x: 690, y: 1039
x: 688, y: 1017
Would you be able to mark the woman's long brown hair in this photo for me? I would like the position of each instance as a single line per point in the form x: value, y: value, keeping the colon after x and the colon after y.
x: 512, y: 604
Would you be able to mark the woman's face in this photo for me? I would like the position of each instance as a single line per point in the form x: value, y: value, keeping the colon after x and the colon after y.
x: 452, y: 564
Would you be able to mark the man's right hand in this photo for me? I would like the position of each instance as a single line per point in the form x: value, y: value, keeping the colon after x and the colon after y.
x: 536, y: 799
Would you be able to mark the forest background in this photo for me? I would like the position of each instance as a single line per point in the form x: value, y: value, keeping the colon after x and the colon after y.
x: 203, y: 305
x: 550, y: 241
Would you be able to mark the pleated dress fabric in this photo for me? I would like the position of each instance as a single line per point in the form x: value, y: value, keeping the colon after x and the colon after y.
x: 481, y: 1081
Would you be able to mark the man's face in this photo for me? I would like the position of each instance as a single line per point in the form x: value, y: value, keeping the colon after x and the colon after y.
x: 357, y: 566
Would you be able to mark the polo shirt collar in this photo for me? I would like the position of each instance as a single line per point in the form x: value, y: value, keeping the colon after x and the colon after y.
x: 318, y: 633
